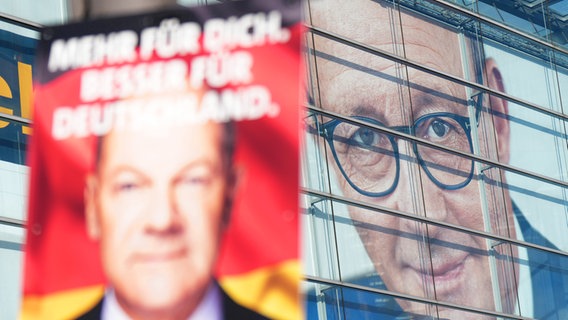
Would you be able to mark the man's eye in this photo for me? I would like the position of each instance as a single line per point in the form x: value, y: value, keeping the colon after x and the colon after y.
x: 195, y: 179
x: 438, y: 129
x: 367, y: 137
x: 123, y: 187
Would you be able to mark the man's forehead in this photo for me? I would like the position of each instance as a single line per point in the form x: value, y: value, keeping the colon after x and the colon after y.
x: 354, y: 92
x: 379, y: 25
x: 175, y: 137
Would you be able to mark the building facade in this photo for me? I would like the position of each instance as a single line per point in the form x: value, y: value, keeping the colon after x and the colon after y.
x: 19, y: 25
x: 435, y: 160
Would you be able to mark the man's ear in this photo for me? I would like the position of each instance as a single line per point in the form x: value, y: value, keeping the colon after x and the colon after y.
x: 499, y: 109
x: 91, y: 217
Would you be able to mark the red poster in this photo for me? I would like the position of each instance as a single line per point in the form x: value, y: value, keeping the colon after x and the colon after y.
x: 164, y: 166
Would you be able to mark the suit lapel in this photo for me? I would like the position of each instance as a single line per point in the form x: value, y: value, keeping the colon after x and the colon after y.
x: 549, y: 274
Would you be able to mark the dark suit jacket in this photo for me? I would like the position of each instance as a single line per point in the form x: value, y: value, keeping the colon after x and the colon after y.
x: 231, y: 311
x: 549, y: 274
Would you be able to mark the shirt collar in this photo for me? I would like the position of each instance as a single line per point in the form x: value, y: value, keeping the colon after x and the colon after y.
x: 209, y: 308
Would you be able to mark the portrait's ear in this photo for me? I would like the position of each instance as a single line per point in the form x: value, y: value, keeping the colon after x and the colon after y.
x: 499, y: 109
x: 91, y: 217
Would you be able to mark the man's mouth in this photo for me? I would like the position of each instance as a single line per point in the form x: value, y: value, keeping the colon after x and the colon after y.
x: 447, y: 272
x: 448, y: 276
x: 160, y: 256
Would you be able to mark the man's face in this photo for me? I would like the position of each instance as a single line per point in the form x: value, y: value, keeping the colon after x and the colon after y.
x: 450, y: 266
x: 157, y: 205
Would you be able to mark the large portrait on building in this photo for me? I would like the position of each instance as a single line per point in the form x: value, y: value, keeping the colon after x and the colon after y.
x: 435, y: 167
x: 164, y: 166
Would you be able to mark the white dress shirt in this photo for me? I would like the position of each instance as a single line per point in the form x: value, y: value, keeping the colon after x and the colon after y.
x: 210, y: 307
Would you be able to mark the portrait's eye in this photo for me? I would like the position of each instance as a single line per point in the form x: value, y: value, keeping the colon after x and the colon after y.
x: 366, y: 137
x: 127, y: 182
x: 194, y: 179
x: 196, y: 176
x: 126, y: 186
x: 438, y: 128
x: 358, y: 146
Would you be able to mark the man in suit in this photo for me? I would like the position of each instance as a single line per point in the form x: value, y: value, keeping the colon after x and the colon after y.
x: 158, y: 203
x: 425, y: 260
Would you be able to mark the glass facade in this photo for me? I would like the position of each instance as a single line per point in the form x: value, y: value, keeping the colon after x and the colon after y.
x: 435, y: 158
x: 435, y: 180
x: 17, y: 50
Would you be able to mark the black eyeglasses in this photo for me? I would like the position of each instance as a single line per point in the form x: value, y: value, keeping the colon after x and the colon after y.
x: 370, y: 161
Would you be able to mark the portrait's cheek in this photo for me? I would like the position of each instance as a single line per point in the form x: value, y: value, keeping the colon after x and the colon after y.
x: 117, y: 248
x: 499, y: 208
x: 122, y: 229
x: 347, y: 190
x: 379, y: 235
x: 202, y: 221
x: 201, y: 204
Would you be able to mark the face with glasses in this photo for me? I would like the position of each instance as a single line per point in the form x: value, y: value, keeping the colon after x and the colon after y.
x: 378, y: 167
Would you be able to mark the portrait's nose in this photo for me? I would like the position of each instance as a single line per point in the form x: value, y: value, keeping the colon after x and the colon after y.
x: 417, y: 194
x: 435, y: 205
x: 161, y: 213
x: 405, y: 195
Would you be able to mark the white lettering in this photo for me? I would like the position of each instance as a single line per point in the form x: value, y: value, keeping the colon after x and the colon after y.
x: 245, y: 103
x: 92, y: 50
x: 169, y: 39
x: 253, y: 29
x: 131, y: 81
x: 221, y: 69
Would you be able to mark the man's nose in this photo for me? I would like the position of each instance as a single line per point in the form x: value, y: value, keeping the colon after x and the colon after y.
x: 161, y: 214
x: 405, y: 197
x: 416, y: 193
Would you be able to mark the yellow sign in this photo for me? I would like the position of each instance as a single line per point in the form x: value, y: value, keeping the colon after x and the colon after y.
x: 25, y: 89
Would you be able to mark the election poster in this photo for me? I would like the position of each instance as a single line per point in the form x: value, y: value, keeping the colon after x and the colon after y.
x: 164, y: 166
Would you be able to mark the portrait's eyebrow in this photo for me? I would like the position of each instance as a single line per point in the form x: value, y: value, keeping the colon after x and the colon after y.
x: 370, y: 111
x: 124, y: 169
x: 199, y: 163
x: 422, y: 99
x: 435, y: 99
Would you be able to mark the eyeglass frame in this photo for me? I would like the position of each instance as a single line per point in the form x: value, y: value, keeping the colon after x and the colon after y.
x: 326, y: 131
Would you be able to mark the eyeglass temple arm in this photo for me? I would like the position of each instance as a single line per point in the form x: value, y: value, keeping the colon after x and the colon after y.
x: 319, y: 128
x: 477, y: 99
